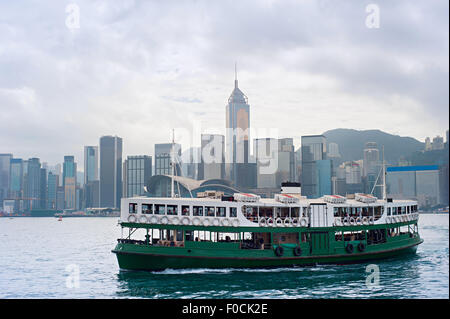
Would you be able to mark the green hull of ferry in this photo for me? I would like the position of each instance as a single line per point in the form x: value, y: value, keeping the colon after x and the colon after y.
x: 321, y: 247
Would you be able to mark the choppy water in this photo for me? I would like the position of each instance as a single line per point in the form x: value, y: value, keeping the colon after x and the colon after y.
x: 40, y: 256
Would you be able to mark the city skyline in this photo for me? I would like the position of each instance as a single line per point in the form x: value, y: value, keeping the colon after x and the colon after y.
x: 139, y: 86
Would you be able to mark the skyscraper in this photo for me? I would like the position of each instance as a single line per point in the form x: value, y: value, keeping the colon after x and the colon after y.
x: 33, y: 184
x: 275, y: 161
x: 212, y: 165
x: 163, y: 153
x: 238, y: 168
x: 110, y: 171
x: 5, y: 166
x: 70, y: 181
x: 52, y: 188
x: 17, y: 178
x: 90, y: 164
x: 137, y: 171
x: 314, y: 148
x: 371, y: 169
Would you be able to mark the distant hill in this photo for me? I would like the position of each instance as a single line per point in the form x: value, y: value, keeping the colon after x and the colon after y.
x: 351, y: 144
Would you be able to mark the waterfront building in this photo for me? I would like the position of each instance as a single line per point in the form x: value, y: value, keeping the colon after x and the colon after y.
x: 212, y: 164
x: 33, y: 184
x: 5, y: 168
x: 137, y: 171
x: 428, y: 144
x: 52, y: 188
x: 324, y: 172
x: 239, y: 168
x: 70, y: 181
x: 420, y: 183
x: 110, y: 171
x: 314, y: 148
x: 163, y: 160
x: 60, y: 199
x: 275, y: 161
x: 90, y: 164
x: 17, y: 178
x: 43, y: 188
x: 438, y: 143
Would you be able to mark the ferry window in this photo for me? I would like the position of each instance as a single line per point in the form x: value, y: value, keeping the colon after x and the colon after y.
x: 160, y: 209
x: 132, y: 208
x: 295, y: 212
x: 210, y: 211
x: 305, y: 212
x: 185, y: 210
x: 198, y: 211
x: 378, y: 211
x: 220, y: 212
x: 399, y: 210
x: 284, y: 212
x: 233, y: 212
x: 189, y: 235
x: 365, y: 211
x: 147, y: 209
x: 172, y: 209
x: 266, y: 212
x: 336, y: 212
x: 179, y: 235
x: 408, y: 210
x: 250, y: 212
x: 338, y: 236
x: 389, y: 211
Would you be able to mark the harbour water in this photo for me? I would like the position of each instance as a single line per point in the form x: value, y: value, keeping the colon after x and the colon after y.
x: 47, y: 258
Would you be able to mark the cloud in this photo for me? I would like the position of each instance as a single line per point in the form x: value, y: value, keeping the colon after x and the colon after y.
x: 137, y: 69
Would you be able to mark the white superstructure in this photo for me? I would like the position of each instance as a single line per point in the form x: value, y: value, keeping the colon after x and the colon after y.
x: 249, y: 210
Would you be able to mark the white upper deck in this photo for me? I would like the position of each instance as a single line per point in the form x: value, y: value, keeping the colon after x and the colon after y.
x: 249, y: 210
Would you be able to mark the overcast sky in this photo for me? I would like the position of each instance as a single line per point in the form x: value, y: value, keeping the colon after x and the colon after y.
x: 137, y: 69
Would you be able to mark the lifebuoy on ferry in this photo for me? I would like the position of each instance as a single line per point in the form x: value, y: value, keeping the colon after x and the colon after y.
x: 370, y: 220
x: 279, y: 251
x: 349, y: 248
x: 270, y: 222
x: 297, y: 251
x: 132, y: 218
x: 164, y: 220
x: 278, y: 221
x: 143, y: 219
x: 216, y: 222
x: 235, y: 222
x: 196, y: 221
x: 361, y: 247
x: 388, y: 220
x: 352, y: 221
x: 287, y: 222
x: 153, y: 219
x: 262, y: 222
x: 295, y: 221
x: 338, y: 221
x: 205, y: 222
x: 225, y: 222
x: 345, y: 221
x: 175, y: 220
x: 365, y: 221
x: 303, y: 222
x: 358, y: 221
x: 185, y: 220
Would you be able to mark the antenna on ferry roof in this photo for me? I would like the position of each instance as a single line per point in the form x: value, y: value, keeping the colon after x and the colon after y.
x: 384, y: 177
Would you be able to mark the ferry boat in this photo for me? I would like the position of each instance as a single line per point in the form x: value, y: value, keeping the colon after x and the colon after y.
x: 247, y: 231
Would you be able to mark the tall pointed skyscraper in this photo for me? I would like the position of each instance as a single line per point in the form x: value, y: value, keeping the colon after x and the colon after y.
x: 238, y: 169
